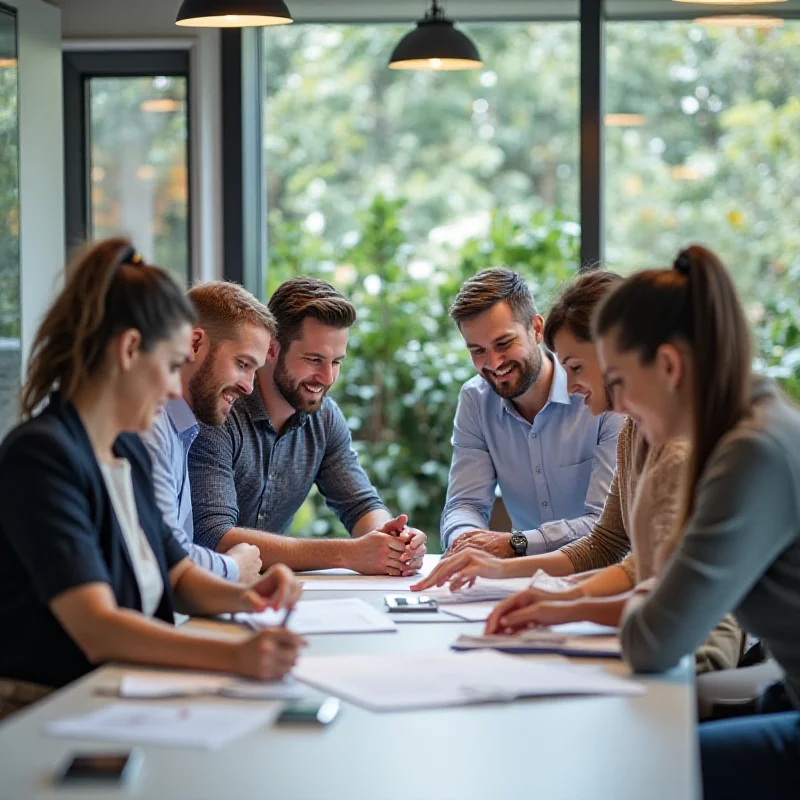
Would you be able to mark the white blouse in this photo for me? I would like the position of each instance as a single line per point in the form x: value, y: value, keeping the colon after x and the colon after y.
x: 117, y: 476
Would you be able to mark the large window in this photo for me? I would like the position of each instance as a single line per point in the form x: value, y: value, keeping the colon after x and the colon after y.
x: 10, y: 365
x: 395, y: 187
x: 127, y: 151
x: 708, y: 151
x: 139, y: 176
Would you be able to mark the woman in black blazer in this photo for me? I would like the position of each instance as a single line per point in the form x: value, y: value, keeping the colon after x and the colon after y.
x: 89, y: 572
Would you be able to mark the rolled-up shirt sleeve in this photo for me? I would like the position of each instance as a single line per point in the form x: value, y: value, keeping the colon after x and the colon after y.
x: 473, y: 478
x: 160, y: 446
x: 551, y: 536
x: 211, y: 471
x: 341, y: 480
x: 47, y: 517
x: 744, y: 517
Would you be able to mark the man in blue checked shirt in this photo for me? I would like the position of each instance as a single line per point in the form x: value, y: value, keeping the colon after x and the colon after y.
x: 229, y: 344
x: 518, y: 428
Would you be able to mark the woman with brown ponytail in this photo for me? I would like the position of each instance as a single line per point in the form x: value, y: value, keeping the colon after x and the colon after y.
x: 89, y: 572
x: 676, y: 352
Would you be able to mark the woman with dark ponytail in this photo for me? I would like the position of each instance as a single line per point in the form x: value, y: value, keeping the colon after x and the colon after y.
x: 88, y: 569
x: 677, y: 357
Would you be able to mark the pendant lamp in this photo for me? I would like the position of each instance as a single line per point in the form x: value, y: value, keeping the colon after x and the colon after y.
x: 435, y: 44
x: 232, y: 13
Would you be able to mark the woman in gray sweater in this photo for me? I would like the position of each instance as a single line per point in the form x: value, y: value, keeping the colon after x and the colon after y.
x: 676, y: 352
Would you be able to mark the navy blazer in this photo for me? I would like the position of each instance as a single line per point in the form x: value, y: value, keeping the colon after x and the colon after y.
x: 58, y: 530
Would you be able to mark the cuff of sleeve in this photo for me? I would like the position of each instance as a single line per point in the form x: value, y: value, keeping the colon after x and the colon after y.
x: 231, y: 569
x: 455, y: 533
x: 537, y: 544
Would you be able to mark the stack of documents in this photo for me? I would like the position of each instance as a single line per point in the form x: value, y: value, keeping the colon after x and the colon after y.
x: 153, y: 684
x: 482, y: 590
x: 547, y: 583
x: 399, y: 682
x: 576, y: 639
x: 208, y: 726
x: 348, y: 615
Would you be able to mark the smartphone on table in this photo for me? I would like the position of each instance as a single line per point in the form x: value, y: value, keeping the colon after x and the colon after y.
x: 102, y: 769
x: 401, y: 603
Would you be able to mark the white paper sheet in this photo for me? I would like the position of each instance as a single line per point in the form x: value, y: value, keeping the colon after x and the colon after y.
x: 157, y: 684
x: 483, y: 590
x: 403, y: 681
x: 203, y: 725
x: 348, y: 615
x: 471, y: 612
x: 548, y: 583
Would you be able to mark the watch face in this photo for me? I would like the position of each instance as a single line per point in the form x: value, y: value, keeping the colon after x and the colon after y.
x: 519, y: 543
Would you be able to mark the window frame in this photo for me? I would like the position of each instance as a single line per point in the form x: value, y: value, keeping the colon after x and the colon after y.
x: 79, y: 68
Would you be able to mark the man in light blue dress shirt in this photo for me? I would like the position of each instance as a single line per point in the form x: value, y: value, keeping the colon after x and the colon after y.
x: 517, y: 427
x: 229, y: 342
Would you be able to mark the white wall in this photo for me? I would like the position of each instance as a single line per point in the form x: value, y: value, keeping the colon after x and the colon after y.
x: 41, y: 169
x: 135, y: 24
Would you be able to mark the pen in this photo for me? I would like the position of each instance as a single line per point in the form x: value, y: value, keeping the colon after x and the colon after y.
x: 286, y: 616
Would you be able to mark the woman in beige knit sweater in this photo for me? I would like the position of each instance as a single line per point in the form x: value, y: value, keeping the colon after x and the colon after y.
x: 630, y: 540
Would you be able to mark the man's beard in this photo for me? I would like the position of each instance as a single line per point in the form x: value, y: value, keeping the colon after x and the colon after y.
x: 206, y: 392
x: 528, y: 372
x: 292, y: 392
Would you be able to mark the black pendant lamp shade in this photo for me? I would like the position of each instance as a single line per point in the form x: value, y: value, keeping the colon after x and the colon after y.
x: 435, y: 44
x: 232, y: 13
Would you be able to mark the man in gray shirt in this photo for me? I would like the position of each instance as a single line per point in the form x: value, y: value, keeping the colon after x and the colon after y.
x: 250, y: 476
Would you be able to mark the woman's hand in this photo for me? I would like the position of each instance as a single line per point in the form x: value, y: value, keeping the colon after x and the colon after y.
x: 277, y: 588
x: 462, y: 569
x: 267, y: 655
x: 529, y: 608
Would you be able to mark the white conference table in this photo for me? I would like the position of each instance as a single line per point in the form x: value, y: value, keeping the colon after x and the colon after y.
x: 597, y: 748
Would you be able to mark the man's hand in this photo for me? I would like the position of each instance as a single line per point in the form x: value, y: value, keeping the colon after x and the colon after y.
x: 491, y: 542
x: 278, y: 588
x: 463, y: 568
x: 415, y: 543
x: 248, y: 559
x: 378, y: 553
x: 267, y: 655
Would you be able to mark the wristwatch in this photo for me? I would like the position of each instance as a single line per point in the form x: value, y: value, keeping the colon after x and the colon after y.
x: 519, y: 542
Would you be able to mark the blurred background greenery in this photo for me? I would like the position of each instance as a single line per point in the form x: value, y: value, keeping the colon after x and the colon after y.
x: 397, y: 187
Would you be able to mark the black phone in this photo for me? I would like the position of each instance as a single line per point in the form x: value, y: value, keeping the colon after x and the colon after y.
x: 106, y: 768
x: 314, y: 711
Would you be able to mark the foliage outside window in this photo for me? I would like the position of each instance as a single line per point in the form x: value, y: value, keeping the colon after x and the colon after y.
x: 395, y: 188
x: 10, y: 312
x: 139, y: 166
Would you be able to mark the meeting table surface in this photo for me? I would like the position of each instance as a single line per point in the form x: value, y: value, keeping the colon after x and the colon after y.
x: 589, y: 748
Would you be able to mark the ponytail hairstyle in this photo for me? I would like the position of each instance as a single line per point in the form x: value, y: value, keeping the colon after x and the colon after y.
x: 695, y: 302
x: 108, y: 289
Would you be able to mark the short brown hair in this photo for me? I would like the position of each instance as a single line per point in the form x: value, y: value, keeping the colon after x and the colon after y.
x: 302, y: 297
x: 574, y: 309
x: 223, y: 308
x: 491, y: 286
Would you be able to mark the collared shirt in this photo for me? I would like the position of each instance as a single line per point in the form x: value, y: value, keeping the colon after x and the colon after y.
x: 554, y: 474
x: 168, y: 442
x: 246, y: 475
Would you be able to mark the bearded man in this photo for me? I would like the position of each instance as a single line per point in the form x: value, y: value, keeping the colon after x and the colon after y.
x: 229, y: 343
x: 518, y: 429
x: 251, y: 476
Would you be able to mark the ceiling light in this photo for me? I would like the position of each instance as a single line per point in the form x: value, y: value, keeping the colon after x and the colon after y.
x: 435, y: 45
x: 232, y: 13
x: 740, y: 21
x: 625, y: 120
x: 160, y: 105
